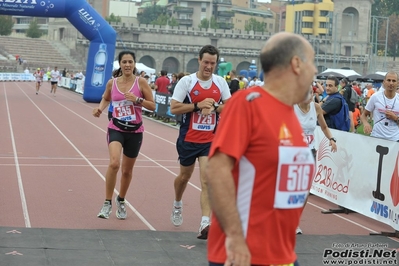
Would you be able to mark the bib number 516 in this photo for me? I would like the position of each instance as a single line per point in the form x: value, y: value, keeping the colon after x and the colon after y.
x: 298, y: 177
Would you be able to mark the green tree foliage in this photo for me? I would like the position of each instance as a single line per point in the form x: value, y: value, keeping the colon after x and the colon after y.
x: 204, y: 24
x: 151, y: 14
x: 34, y: 30
x: 173, y: 22
x: 393, y: 35
x: 255, y: 25
x: 213, y: 23
x: 385, y: 8
x: 6, y: 25
x: 113, y: 18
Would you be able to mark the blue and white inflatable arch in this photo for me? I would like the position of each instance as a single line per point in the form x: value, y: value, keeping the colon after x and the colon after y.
x: 87, y: 21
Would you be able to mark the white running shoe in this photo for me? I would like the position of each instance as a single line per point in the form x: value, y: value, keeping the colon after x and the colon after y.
x: 121, y: 213
x: 203, y: 230
x: 105, y: 210
x: 177, y: 217
x: 298, y: 231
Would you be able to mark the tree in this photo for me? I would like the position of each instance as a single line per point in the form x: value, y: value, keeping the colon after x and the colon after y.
x: 151, y: 14
x: 173, y: 22
x: 213, y: 24
x: 204, y: 24
x: 113, y: 18
x: 393, y: 35
x: 34, y: 30
x: 385, y: 8
x: 6, y: 25
x: 255, y: 25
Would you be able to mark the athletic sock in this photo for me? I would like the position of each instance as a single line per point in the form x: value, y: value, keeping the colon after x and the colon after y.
x: 205, y: 219
x: 120, y: 199
x: 109, y: 201
x: 178, y: 204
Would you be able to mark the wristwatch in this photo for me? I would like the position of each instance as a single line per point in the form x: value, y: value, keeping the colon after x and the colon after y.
x: 215, y: 105
x: 333, y: 139
x: 196, y: 109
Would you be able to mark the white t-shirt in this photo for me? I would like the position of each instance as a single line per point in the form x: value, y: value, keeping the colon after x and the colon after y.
x: 383, y: 128
x: 55, y: 75
x: 184, y: 84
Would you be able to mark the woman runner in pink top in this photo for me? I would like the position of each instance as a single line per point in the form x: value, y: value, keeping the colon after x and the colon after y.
x: 128, y: 93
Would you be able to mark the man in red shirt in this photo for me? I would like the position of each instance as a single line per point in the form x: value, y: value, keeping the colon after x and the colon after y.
x: 162, y: 83
x: 260, y: 168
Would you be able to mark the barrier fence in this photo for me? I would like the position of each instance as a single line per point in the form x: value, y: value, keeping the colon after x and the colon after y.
x: 363, y: 175
x: 72, y: 84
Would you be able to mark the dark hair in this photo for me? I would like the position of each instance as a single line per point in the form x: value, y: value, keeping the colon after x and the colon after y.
x: 163, y: 73
x: 333, y: 78
x: 209, y: 49
x: 280, y: 54
x: 180, y: 75
x: 118, y: 72
x: 345, y: 81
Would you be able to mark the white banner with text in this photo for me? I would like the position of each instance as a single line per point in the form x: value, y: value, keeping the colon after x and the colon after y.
x: 363, y: 175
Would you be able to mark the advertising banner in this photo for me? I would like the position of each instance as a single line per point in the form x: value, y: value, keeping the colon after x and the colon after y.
x: 87, y: 21
x: 363, y: 175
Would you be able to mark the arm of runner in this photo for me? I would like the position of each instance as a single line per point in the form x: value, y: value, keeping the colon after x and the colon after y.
x: 324, y: 127
x: 223, y: 202
x: 104, y: 101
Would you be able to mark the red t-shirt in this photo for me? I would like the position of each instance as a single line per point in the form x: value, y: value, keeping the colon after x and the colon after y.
x: 256, y: 129
x: 162, y: 82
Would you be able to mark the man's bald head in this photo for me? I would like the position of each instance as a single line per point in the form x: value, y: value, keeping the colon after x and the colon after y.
x: 280, y: 49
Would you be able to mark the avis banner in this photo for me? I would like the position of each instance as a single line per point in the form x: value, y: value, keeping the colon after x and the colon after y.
x: 363, y: 175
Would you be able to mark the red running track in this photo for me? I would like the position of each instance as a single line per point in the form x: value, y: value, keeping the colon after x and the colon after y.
x: 53, y: 158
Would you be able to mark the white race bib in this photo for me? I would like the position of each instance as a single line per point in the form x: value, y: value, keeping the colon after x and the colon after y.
x: 203, y: 122
x: 294, y: 176
x: 124, y: 110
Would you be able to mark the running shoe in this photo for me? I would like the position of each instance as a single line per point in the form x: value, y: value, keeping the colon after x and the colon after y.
x: 105, y: 210
x: 298, y: 231
x: 176, y: 217
x: 121, y: 213
x: 203, y: 230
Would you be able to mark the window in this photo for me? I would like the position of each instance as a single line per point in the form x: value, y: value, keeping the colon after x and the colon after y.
x: 308, y: 25
x: 324, y: 13
x: 270, y: 25
x: 323, y: 25
x: 307, y: 13
x: 203, y: 7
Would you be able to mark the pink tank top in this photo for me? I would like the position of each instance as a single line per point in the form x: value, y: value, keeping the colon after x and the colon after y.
x: 126, y: 110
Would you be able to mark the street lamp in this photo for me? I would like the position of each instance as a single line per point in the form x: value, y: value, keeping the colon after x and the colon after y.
x: 352, y: 16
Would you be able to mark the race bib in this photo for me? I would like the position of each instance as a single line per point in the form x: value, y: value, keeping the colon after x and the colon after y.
x: 203, y: 122
x: 294, y: 176
x: 309, y: 138
x: 124, y: 110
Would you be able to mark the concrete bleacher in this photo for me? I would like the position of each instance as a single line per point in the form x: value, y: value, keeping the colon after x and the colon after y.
x: 37, y: 53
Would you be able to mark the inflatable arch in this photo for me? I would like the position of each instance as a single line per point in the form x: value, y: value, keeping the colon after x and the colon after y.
x: 87, y: 21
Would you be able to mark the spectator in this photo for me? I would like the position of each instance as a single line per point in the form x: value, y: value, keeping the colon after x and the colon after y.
x: 335, y: 108
x: 384, y: 107
x: 162, y: 83
x: 234, y: 82
x: 346, y: 89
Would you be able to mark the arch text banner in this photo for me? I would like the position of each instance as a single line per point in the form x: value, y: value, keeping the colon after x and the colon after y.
x: 89, y: 23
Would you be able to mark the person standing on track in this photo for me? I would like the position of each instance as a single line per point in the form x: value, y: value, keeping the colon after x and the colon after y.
x: 39, y: 79
x: 197, y: 97
x: 55, y: 76
x: 309, y: 114
x: 129, y: 93
x: 259, y: 161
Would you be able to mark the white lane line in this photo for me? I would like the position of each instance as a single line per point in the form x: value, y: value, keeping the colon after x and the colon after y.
x: 88, y: 162
x: 146, y: 132
x: 17, y: 166
x: 78, y: 165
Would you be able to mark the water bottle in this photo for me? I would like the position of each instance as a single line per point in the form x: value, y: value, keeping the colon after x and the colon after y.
x: 100, y: 60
